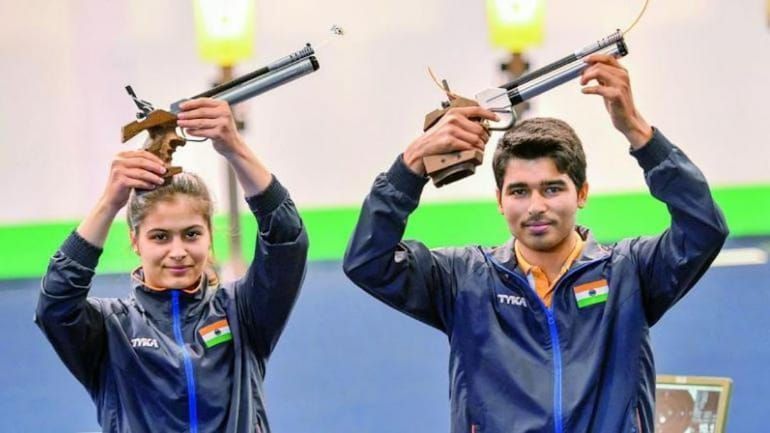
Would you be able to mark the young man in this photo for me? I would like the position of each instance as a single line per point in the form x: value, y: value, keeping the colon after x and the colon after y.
x: 549, y: 332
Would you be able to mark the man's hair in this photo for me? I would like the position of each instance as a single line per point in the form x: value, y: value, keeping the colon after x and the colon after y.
x: 542, y: 137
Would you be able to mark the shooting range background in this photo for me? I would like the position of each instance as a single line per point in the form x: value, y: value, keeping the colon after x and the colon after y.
x: 699, y: 72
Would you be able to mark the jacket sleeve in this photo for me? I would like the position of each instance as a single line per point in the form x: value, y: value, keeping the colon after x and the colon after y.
x: 671, y: 263
x: 73, y: 323
x: 405, y: 275
x: 266, y: 294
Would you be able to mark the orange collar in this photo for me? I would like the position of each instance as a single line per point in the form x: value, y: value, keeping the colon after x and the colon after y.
x: 538, y: 279
x: 526, y: 267
x: 138, y: 276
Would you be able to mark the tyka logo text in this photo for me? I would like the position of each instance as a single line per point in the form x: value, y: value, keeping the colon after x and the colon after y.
x: 512, y: 300
x: 144, y: 342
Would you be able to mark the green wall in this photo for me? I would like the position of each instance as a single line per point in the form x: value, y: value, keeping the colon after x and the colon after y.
x: 27, y: 247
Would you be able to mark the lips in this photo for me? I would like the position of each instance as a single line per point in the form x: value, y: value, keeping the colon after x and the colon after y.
x: 178, y: 270
x: 538, y: 227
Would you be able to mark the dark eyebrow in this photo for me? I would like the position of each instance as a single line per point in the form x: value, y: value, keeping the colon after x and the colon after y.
x: 162, y: 230
x: 516, y: 185
x: 543, y: 184
x: 556, y: 182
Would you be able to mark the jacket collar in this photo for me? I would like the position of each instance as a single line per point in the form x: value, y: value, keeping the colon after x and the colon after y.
x: 157, y: 304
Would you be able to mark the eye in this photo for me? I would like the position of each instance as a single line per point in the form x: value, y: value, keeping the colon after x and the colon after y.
x: 159, y: 236
x: 193, y: 234
x: 553, y: 190
x: 518, y: 192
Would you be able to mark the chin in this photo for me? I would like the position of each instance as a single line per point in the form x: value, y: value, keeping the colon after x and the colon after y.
x: 178, y: 283
x: 543, y: 243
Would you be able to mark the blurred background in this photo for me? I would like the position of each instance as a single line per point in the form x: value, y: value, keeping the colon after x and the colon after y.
x: 346, y: 363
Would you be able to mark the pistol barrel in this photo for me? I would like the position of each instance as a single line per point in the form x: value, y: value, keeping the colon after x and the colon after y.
x: 267, y: 82
x: 560, y: 76
x: 268, y: 77
x: 556, y: 73
x: 614, y: 38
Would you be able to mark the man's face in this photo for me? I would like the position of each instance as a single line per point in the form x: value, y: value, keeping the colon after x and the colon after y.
x: 173, y: 243
x: 539, y: 203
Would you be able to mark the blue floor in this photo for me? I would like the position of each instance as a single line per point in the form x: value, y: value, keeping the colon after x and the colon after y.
x: 347, y: 363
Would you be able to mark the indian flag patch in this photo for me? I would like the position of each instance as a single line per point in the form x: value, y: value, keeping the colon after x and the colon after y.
x: 591, y: 293
x: 216, y: 333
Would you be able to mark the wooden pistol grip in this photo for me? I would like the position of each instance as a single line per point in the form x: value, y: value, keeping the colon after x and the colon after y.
x: 446, y: 168
x: 163, y: 139
x: 155, y: 118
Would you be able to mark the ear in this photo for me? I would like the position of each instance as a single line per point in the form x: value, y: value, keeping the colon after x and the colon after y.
x: 499, y: 197
x: 134, y: 246
x: 583, y: 195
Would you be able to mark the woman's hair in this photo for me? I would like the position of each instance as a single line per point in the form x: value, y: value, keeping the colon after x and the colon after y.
x: 141, y: 203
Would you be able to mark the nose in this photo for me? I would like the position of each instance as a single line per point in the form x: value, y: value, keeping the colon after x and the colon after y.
x: 178, y: 251
x: 537, y: 204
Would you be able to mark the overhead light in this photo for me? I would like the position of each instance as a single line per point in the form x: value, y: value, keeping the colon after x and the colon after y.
x: 515, y: 24
x: 224, y: 30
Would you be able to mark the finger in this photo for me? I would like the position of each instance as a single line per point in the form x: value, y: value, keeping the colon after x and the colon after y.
x: 140, y: 153
x: 473, y: 140
x: 606, y: 76
x: 200, y: 102
x: 138, y: 184
x: 141, y: 175
x: 153, y: 158
x: 202, y: 133
x: 477, y: 112
x: 606, y: 92
x: 606, y: 59
x: 448, y: 144
x: 474, y: 127
x: 200, y: 123
x: 146, y: 161
x: 197, y: 103
x: 202, y: 113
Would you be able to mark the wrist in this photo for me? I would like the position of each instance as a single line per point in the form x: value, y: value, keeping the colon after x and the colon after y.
x: 108, y: 207
x: 639, y: 135
x: 413, y: 158
x: 235, y: 151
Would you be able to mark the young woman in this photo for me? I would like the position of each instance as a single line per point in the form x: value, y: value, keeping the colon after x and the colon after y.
x: 181, y: 353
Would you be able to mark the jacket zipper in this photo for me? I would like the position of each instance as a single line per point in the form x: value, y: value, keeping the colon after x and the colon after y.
x: 638, y: 421
x: 558, y: 426
x: 188, y: 367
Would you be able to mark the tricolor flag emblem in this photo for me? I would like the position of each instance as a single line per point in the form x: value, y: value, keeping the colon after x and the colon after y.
x: 216, y: 333
x: 591, y: 293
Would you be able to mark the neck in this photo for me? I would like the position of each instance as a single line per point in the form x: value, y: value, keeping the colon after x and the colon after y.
x: 550, y: 261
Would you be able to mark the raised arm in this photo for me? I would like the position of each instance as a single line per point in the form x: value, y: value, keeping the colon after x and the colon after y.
x: 72, y: 323
x: 407, y: 275
x: 669, y: 264
x: 266, y: 294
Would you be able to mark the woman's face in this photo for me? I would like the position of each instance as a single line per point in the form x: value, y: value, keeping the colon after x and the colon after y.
x: 173, y: 242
